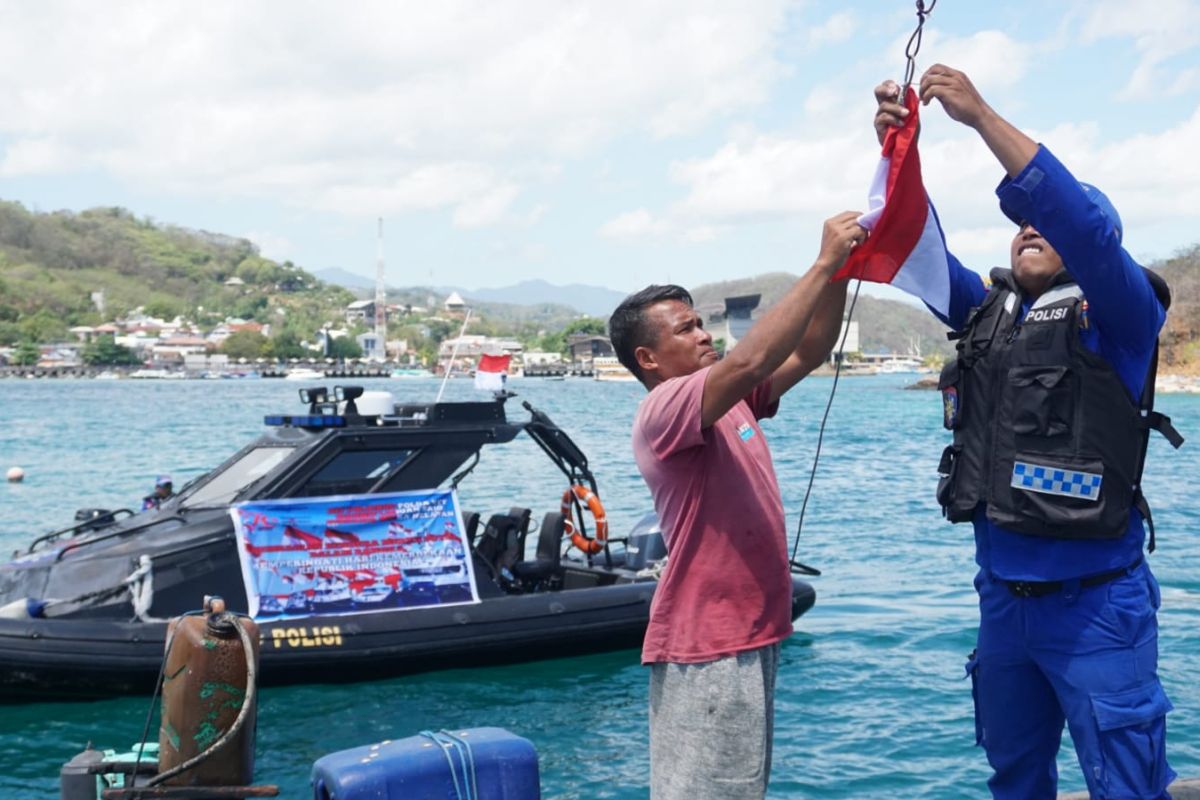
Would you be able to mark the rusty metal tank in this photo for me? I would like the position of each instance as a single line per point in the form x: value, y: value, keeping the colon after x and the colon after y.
x: 206, y: 684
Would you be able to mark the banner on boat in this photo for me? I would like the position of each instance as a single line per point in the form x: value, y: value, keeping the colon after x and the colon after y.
x: 354, y: 553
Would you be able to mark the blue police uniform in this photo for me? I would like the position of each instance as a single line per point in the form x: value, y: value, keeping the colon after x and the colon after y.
x: 1084, y: 651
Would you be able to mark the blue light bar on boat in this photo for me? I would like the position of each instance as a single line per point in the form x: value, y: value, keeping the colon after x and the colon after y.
x: 306, y: 420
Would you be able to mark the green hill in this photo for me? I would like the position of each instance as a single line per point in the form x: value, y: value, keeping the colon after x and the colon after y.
x: 1180, y: 339
x: 52, y: 264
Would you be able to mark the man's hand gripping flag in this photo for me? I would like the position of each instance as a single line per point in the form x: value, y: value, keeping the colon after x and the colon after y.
x: 906, y: 248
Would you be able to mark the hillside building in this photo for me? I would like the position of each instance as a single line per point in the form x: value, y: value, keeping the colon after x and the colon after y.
x: 454, y: 305
x: 361, y: 312
x: 585, y: 348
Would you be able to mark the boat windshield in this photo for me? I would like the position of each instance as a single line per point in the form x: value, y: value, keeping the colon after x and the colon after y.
x: 222, y: 488
x: 354, y: 472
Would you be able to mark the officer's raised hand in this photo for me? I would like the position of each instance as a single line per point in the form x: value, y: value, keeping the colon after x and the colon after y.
x: 957, y: 94
x: 963, y: 103
x: 891, y: 111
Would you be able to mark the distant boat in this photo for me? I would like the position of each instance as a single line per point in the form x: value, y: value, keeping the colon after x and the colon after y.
x: 152, y: 374
x: 107, y: 375
x: 897, y: 366
x: 411, y: 372
x: 304, y: 374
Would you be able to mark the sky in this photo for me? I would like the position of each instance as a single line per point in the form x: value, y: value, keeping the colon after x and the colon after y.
x: 613, y: 143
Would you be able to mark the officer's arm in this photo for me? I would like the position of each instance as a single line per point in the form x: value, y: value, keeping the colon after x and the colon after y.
x: 1121, y: 301
x: 967, y: 291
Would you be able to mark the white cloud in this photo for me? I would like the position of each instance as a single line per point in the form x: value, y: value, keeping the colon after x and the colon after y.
x: 634, y: 225
x: 271, y: 245
x: 965, y: 242
x: 365, y: 109
x: 769, y: 176
x: 838, y: 28
x: 1167, y: 29
x: 1153, y: 179
x: 993, y: 59
x: 36, y: 156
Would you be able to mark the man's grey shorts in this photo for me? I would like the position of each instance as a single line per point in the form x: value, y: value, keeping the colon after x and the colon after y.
x: 711, y: 727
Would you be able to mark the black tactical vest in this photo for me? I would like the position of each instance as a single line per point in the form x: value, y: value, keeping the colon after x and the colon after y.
x: 1045, y: 433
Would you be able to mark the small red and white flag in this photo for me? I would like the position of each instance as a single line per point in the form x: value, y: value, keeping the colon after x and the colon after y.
x: 491, y: 372
x: 906, y: 247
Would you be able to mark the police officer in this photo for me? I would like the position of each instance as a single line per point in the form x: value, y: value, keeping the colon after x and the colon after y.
x: 163, y: 489
x: 1048, y: 440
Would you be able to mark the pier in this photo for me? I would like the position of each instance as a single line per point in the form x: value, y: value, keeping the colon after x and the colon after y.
x: 559, y: 371
x: 351, y: 371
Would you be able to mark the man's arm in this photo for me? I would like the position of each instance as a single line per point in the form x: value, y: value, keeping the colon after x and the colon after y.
x: 963, y: 103
x: 818, y: 341
x: 773, y: 338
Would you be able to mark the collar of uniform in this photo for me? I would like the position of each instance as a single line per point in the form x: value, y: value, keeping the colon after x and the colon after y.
x: 1070, y: 291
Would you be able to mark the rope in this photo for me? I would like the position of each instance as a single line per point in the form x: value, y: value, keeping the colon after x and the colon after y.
x: 162, y: 668
x: 914, y: 45
x: 243, y: 713
x: 804, y: 569
x: 445, y: 740
x: 910, y: 69
x: 141, y: 589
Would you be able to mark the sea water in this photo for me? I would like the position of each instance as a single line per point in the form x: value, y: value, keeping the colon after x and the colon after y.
x: 871, y: 698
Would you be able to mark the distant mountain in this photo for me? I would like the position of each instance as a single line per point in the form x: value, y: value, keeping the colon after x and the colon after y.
x: 595, y: 301
x: 344, y: 278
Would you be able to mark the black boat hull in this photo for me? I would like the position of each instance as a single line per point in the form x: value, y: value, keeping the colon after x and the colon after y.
x: 88, y: 658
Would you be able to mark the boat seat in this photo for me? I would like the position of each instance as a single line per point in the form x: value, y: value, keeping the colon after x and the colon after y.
x: 499, y: 545
x: 521, y: 518
x: 470, y: 526
x: 549, y: 551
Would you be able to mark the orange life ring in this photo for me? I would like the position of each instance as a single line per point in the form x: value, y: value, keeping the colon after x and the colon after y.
x: 588, y: 498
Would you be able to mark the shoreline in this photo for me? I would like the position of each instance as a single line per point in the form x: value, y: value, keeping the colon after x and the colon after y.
x: 1169, y: 383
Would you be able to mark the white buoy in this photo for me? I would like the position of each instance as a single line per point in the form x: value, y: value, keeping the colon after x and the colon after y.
x: 15, y: 475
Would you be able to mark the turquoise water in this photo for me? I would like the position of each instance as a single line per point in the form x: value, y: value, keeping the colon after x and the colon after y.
x: 871, y: 698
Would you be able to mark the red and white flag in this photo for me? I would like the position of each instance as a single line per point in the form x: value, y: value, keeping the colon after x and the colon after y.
x: 906, y: 247
x: 491, y: 372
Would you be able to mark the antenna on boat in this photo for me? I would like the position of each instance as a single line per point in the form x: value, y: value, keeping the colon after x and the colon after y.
x: 380, y: 297
x: 453, y: 356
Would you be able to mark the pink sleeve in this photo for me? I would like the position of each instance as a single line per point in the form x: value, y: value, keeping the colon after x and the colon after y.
x: 670, y: 416
x: 760, y: 403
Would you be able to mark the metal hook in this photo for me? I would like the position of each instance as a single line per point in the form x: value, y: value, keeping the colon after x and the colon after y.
x: 914, y: 46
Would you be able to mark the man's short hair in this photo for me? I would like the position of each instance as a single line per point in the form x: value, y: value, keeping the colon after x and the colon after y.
x: 629, y: 328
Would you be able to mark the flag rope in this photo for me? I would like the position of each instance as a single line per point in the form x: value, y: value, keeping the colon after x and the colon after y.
x: 910, y: 54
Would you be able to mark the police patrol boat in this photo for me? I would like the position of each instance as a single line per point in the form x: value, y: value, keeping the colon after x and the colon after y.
x: 84, y: 610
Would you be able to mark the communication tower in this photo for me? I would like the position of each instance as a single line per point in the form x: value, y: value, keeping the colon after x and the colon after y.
x: 380, y: 301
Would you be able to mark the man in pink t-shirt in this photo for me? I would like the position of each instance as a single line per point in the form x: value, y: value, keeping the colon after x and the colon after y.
x: 723, y: 603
